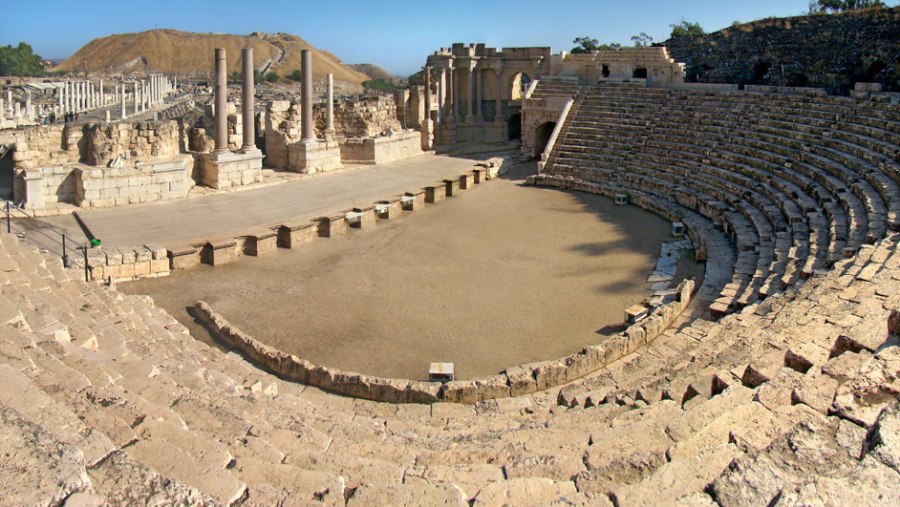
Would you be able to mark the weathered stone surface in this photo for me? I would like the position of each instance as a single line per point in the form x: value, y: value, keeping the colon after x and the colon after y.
x: 883, y: 442
x: 36, y: 468
x: 524, y: 492
x: 410, y: 494
x: 125, y: 481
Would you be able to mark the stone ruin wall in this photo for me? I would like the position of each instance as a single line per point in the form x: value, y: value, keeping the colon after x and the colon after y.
x: 365, y: 118
x: 69, y: 163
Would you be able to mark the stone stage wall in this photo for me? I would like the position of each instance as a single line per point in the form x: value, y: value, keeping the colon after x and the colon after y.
x: 378, y: 150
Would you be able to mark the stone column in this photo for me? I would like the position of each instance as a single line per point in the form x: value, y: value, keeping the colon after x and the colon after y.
x: 440, y: 96
x: 306, y: 116
x: 470, y: 97
x: 9, y: 100
x: 498, y: 104
x: 29, y: 111
x: 59, y: 98
x: 77, y: 89
x: 329, y: 109
x: 451, y: 99
x: 221, y: 102
x: 479, y: 95
x: 122, y: 103
x: 427, y: 74
x: 102, y: 95
x: 248, y: 101
x: 137, y: 98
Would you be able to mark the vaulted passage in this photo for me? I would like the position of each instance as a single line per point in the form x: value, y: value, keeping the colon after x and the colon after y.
x: 542, y: 137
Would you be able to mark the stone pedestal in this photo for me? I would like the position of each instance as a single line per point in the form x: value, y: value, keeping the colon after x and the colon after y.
x: 427, y: 132
x: 226, y: 169
x: 34, y: 196
x: 309, y: 157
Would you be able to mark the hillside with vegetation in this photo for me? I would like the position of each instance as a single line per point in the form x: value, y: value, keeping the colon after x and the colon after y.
x: 831, y: 49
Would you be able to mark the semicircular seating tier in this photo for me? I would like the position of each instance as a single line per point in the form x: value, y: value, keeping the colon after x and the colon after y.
x: 797, y: 182
x: 789, y: 399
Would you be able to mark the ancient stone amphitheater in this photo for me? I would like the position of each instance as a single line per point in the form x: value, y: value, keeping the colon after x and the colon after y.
x: 784, y: 393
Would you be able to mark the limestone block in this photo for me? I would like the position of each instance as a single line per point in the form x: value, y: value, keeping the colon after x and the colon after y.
x: 261, y: 243
x: 142, y: 268
x: 412, y: 201
x: 466, y: 181
x: 550, y: 374
x: 478, y: 175
x: 460, y: 391
x: 521, y: 380
x: 158, y: 266
x: 492, y: 387
x: 292, y: 235
x: 423, y: 392
x: 435, y: 194
x: 183, y: 257
x: 386, y: 210
x: 331, y: 227
x: 803, y: 356
x: 451, y: 187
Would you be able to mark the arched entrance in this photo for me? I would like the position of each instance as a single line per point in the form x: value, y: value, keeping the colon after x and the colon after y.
x: 519, y: 86
x: 542, y: 137
x: 514, y: 126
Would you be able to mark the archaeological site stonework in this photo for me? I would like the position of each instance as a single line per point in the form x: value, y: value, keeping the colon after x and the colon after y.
x: 772, y: 379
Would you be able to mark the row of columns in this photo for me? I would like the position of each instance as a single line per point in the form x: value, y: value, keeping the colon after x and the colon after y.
x: 221, y: 102
x: 84, y: 96
x: 449, y: 84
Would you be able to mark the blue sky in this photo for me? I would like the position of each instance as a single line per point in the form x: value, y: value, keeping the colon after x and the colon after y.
x: 396, y: 35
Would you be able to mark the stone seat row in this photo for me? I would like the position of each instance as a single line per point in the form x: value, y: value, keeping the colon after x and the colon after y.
x: 788, y: 376
x: 154, y: 415
x: 754, y: 256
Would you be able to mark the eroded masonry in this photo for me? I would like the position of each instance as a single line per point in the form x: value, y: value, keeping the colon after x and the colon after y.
x: 774, y: 380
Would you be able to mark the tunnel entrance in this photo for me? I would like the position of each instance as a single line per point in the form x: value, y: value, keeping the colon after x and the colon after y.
x: 542, y: 137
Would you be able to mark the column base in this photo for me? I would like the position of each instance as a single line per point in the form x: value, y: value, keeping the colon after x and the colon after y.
x: 314, y: 156
x: 227, y: 169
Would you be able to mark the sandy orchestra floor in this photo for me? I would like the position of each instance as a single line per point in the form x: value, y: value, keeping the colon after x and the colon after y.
x: 501, y: 275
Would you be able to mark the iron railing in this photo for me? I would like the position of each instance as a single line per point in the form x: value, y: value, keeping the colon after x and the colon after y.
x: 50, y: 240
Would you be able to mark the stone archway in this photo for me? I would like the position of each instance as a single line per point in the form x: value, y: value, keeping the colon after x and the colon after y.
x: 514, y: 126
x: 518, y: 85
x: 542, y: 136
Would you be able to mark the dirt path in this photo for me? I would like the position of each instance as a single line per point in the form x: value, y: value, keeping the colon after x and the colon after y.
x: 500, y: 275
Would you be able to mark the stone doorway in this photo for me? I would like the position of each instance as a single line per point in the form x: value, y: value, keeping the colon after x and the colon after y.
x: 639, y: 74
x: 514, y: 126
x: 7, y: 171
x: 542, y: 137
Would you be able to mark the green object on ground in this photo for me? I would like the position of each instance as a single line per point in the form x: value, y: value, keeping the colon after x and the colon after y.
x: 95, y: 242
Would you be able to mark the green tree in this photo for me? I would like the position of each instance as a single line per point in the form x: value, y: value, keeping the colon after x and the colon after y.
x: 382, y: 85
x: 589, y: 44
x: 826, y: 6
x: 20, y: 61
x: 235, y: 77
x: 296, y: 75
x: 642, y: 40
x: 687, y: 30
x: 272, y: 77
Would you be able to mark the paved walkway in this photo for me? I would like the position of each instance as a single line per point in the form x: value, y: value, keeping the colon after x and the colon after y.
x: 227, y: 214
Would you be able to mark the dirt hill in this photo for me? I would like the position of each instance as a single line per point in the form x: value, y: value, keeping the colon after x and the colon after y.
x: 373, y: 71
x: 176, y: 52
x: 831, y: 51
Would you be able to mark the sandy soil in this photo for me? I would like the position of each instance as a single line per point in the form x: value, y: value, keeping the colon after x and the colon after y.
x: 501, y: 275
